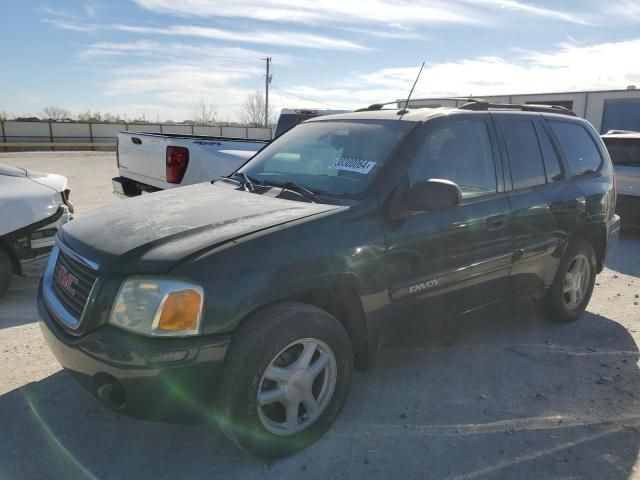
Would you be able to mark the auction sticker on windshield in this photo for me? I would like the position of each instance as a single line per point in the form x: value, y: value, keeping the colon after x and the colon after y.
x: 353, y: 165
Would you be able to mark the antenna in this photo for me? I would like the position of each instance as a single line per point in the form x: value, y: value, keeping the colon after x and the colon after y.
x: 406, y: 104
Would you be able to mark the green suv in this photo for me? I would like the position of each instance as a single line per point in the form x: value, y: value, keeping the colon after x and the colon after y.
x: 252, y: 298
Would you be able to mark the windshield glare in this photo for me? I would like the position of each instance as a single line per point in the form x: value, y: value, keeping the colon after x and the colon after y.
x: 338, y: 158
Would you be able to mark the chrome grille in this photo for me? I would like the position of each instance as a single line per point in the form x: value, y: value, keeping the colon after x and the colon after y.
x: 68, y: 283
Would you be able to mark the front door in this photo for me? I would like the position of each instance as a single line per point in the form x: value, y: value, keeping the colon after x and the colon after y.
x: 445, y: 262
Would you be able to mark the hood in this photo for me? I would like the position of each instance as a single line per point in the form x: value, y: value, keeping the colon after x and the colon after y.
x: 51, y: 180
x: 11, y: 171
x: 152, y: 232
x: 25, y: 201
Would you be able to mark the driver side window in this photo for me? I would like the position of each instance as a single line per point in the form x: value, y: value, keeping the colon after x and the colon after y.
x: 460, y: 152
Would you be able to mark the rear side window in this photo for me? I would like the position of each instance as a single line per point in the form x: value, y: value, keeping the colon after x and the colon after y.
x: 579, y: 148
x: 551, y: 160
x: 624, y: 151
x: 525, y: 157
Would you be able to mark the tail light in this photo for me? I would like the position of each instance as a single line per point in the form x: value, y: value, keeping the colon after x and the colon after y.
x: 177, y: 161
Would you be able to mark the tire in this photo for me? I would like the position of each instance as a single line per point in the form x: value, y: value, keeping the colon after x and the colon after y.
x: 561, y: 306
x: 279, y: 334
x: 6, y: 272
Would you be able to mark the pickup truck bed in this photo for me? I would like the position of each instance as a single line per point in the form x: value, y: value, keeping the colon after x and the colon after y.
x: 148, y: 162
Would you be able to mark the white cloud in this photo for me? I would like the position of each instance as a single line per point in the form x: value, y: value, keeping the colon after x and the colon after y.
x: 174, y: 86
x: 568, y: 67
x: 72, y: 25
x: 273, y: 37
x: 180, y: 52
x: 532, y: 9
x: 401, y: 12
x: 311, y: 11
x: 267, y: 37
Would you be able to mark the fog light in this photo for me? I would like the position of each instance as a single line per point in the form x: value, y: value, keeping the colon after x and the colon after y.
x: 168, y: 356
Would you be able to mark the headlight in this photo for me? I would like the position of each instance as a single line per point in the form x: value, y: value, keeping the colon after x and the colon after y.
x: 158, y: 307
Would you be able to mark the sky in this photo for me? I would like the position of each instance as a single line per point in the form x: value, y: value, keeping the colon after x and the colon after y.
x: 158, y: 58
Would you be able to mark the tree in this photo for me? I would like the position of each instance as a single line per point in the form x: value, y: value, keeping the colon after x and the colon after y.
x: 56, y: 113
x: 204, y: 112
x: 252, y: 113
x: 4, y: 116
x: 89, y: 116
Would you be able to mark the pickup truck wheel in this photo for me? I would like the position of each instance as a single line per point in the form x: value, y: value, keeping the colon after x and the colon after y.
x: 571, y: 291
x: 6, y: 272
x: 287, y: 375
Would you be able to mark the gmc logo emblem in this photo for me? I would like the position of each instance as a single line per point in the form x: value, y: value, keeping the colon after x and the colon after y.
x: 65, y: 279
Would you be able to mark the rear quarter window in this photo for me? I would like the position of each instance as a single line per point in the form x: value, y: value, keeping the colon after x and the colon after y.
x: 580, y: 150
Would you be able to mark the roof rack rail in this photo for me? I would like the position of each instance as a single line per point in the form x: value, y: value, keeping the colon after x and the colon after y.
x: 376, y: 106
x: 481, y: 105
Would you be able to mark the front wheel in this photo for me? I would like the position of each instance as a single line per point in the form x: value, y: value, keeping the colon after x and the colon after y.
x: 571, y: 291
x: 286, y: 377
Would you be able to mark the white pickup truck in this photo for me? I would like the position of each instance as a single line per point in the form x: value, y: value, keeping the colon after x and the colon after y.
x: 149, y: 162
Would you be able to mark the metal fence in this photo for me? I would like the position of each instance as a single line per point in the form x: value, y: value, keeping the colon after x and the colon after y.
x: 34, y: 136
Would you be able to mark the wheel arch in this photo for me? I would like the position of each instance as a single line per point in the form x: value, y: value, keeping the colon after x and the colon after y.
x: 342, y: 301
x: 596, y: 235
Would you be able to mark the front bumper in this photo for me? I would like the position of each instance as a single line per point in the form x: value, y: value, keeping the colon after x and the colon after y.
x: 150, y: 378
x: 613, y: 233
x: 628, y: 207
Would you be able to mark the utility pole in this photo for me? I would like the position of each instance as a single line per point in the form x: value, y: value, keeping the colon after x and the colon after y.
x: 267, y: 81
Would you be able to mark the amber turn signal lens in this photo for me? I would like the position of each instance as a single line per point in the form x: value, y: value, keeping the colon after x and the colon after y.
x: 180, y: 311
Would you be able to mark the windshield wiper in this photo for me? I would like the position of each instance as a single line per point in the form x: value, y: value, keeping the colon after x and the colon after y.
x: 295, y: 187
x: 247, y: 181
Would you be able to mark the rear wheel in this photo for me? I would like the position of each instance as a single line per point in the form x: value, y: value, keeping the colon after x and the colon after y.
x: 6, y: 272
x: 286, y: 378
x: 571, y: 291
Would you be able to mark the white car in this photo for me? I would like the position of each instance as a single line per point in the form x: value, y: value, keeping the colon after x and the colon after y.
x: 149, y: 162
x: 33, y: 207
x: 624, y: 149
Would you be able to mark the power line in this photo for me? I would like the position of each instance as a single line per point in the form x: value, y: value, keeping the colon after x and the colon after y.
x: 305, y: 98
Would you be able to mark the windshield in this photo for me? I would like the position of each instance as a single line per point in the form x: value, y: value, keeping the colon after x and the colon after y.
x: 338, y: 158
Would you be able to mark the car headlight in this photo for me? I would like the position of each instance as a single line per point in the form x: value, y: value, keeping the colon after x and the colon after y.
x: 158, y: 307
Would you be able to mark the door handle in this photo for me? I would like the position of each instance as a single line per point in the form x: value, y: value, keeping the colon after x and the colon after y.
x: 497, y: 222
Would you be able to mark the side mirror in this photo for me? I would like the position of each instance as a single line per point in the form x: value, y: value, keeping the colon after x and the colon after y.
x: 433, y: 194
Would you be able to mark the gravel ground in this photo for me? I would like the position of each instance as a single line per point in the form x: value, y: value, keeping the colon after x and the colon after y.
x: 497, y: 394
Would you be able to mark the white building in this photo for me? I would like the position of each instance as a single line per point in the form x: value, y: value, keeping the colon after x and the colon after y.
x: 605, y: 109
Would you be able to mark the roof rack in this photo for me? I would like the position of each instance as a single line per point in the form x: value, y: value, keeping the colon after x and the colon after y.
x: 377, y: 106
x: 621, y: 132
x: 480, y: 105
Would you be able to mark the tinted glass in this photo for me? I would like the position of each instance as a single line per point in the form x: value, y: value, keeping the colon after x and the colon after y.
x: 331, y: 157
x: 624, y: 151
x: 621, y: 114
x: 579, y: 148
x: 524, y: 153
x: 550, y: 156
x: 460, y: 152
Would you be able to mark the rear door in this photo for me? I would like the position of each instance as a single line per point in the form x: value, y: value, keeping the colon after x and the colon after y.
x: 545, y: 202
